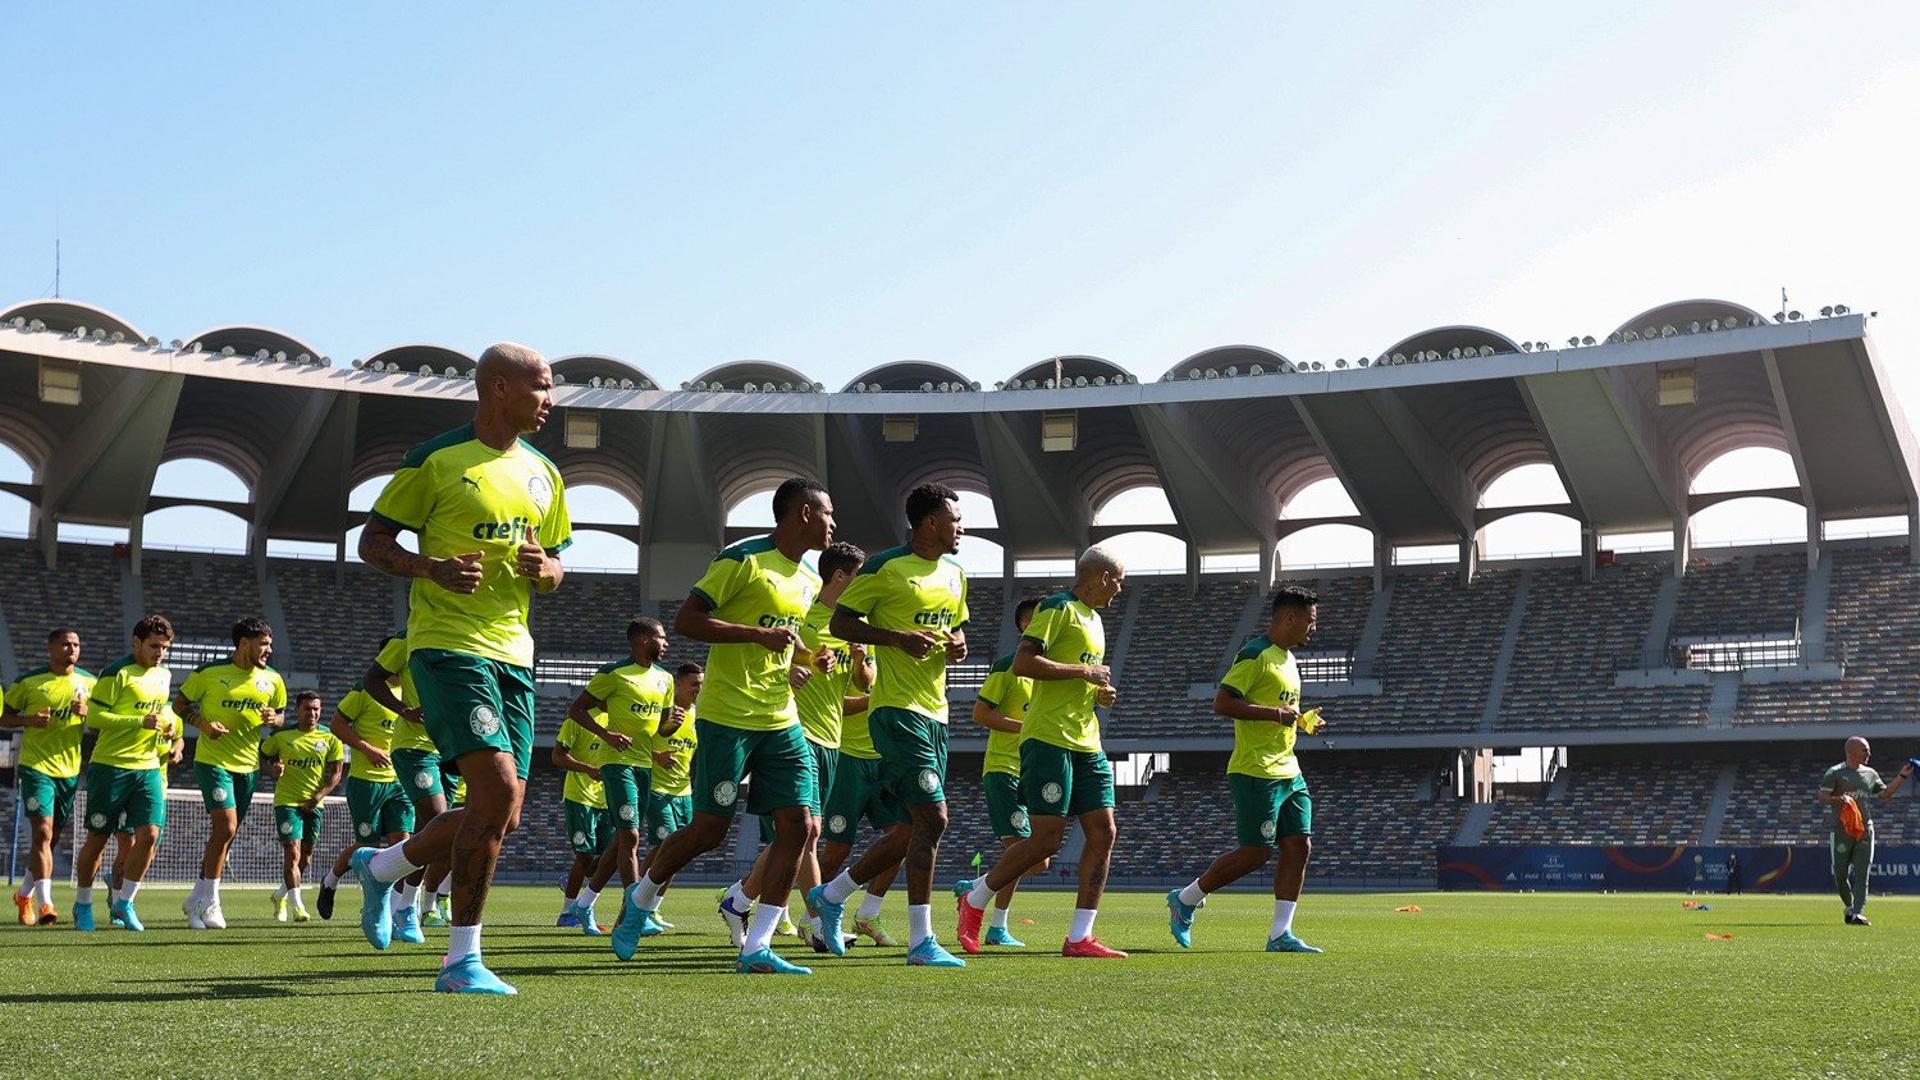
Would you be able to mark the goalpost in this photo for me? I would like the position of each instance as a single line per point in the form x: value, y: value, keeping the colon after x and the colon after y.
x: 253, y: 861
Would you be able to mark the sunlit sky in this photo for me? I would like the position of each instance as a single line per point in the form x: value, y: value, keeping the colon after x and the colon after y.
x: 837, y: 187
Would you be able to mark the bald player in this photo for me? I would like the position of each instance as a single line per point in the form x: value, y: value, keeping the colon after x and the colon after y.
x: 1852, y: 781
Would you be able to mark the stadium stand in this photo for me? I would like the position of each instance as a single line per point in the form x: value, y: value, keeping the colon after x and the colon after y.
x: 1653, y: 801
x: 203, y: 595
x: 589, y: 617
x: 84, y: 594
x: 1773, y: 803
x: 1748, y: 595
x: 1437, y: 654
x: 334, y: 624
x: 1185, y: 638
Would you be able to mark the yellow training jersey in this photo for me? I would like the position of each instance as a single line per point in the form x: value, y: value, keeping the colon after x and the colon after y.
x: 1060, y: 712
x: 587, y: 749
x: 374, y: 723
x: 822, y: 700
x: 304, y: 757
x: 122, y: 697
x: 898, y: 590
x: 463, y: 496
x: 53, y: 750
x: 1007, y: 694
x: 234, y: 697
x: 676, y: 779
x: 1263, y: 674
x: 407, y: 734
x: 637, y: 695
x: 753, y: 584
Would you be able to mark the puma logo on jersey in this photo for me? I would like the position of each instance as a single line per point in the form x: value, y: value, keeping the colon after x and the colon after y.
x: 470, y: 482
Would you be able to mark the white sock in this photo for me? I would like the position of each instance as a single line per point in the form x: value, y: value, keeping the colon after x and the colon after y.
x: 127, y: 892
x: 391, y: 863
x: 293, y: 894
x: 997, y: 916
x: 737, y: 897
x: 981, y: 895
x: 870, y: 906
x: 587, y: 897
x: 1082, y: 928
x: 1193, y: 895
x: 409, y: 895
x: 463, y: 941
x: 445, y: 888
x: 212, y: 894
x: 760, y: 927
x: 279, y: 894
x: 645, y: 893
x: 83, y: 894
x: 43, y: 891
x: 1282, y: 917
x: 26, y: 887
x: 919, y: 924
x: 840, y: 888
x: 332, y: 880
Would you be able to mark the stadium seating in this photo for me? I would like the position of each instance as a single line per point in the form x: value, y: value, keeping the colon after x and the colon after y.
x: 334, y: 626
x: 1750, y: 595
x: 1181, y: 639
x: 589, y: 617
x: 84, y: 593
x: 203, y: 595
x: 1612, y: 802
x: 1436, y: 656
x: 1773, y: 803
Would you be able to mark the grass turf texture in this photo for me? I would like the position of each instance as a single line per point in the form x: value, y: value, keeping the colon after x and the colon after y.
x: 1475, y: 984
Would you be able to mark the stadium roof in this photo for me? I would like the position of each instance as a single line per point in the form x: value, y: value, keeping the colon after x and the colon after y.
x: 1231, y: 434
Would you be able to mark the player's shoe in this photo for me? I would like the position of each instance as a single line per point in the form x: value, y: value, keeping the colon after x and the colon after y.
x: 1000, y: 935
x: 662, y: 923
x: 433, y: 916
x: 282, y: 909
x: 47, y: 916
x: 195, y: 913
x: 25, y: 904
x: 630, y: 927
x: 1091, y: 947
x: 406, y: 926
x: 300, y: 912
x: 443, y: 907
x: 832, y: 919
x: 213, y: 916
x: 1857, y: 919
x: 1180, y: 919
x: 786, y: 927
x: 765, y: 962
x: 736, y: 923
x: 82, y: 916
x: 1286, y: 942
x: 128, y: 918
x: 583, y: 921
x: 323, y: 903
x: 114, y: 917
x: 970, y: 918
x: 819, y: 944
x: 872, y: 929
x: 930, y: 953
x: 650, y: 926
x: 376, y: 917
x: 468, y: 975
x: 567, y: 919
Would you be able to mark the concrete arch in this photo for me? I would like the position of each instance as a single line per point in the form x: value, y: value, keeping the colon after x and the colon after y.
x: 65, y: 315
x: 907, y: 375
x: 1221, y: 357
x: 1463, y: 336
x: 1073, y: 368
x: 734, y: 375
x: 248, y: 340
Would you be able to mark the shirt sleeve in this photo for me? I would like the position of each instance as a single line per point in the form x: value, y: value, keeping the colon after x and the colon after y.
x: 721, y: 582
x: 862, y: 594
x: 1243, y: 678
x: 279, y: 698
x: 994, y: 690
x: 16, y: 697
x: 195, y: 685
x: 1043, y: 628
x: 270, y: 746
x: 564, y: 739
x: 965, y: 612
x: 602, y: 687
x: 556, y: 527
x: 407, y: 500
x: 393, y: 655
x: 336, y: 750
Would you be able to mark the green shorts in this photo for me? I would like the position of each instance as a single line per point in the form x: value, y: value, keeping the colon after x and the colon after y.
x: 1058, y: 782
x: 47, y: 796
x: 824, y: 760
x: 589, y: 828
x: 473, y: 703
x: 122, y: 800
x: 224, y: 789
x: 1005, y: 812
x: 627, y: 789
x: 778, y: 761
x: 422, y: 774
x: 1265, y: 810
x: 857, y: 793
x: 913, y: 754
x: 296, y: 823
x: 668, y: 814
x: 379, y: 809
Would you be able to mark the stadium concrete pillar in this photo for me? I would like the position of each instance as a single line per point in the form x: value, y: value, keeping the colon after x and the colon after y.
x: 1269, y: 565
x: 1469, y: 559
x: 1813, y: 536
x: 1682, y: 543
x: 1589, y: 552
x: 1382, y: 558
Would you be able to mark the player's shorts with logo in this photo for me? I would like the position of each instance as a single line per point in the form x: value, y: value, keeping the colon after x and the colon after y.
x: 421, y: 773
x: 825, y: 760
x: 589, y: 828
x: 296, y: 823
x: 1059, y: 782
x: 122, y: 800
x: 667, y: 814
x: 224, y: 789
x: 913, y: 754
x: 627, y: 789
x: 1265, y: 810
x: 1005, y: 812
x: 47, y: 796
x: 471, y: 703
x: 378, y: 809
x: 779, y: 761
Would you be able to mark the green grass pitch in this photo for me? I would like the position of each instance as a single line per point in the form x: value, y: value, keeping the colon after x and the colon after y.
x: 1474, y: 984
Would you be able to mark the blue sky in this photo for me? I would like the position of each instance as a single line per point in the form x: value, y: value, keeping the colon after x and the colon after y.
x: 834, y: 187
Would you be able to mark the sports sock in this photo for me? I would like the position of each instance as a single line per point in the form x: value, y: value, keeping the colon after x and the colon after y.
x: 293, y: 894
x: 645, y: 894
x: 840, y: 888
x: 1082, y: 928
x: 870, y: 906
x: 919, y: 924
x: 43, y: 891
x: 408, y: 895
x: 737, y: 898
x: 981, y: 895
x: 760, y: 927
x: 212, y: 895
x: 1193, y: 895
x: 463, y: 941
x: 25, y: 889
x: 997, y: 917
x: 127, y: 892
x: 587, y: 898
x: 83, y: 894
x: 445, y: 888
x: 279, y: 894
x: 391, y: 863
x: 332, y: 880
x: 1282, y: 917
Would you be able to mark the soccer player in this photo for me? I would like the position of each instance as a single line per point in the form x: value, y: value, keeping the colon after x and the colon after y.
x: 423, y: 775
x: 1852, y: 781
x: 583, y: 809
x: 491, y: 514
x: 376, y: 803
x: 856, y: 793
x: 230, y: 703
x: 748, y: 607
x: 1063, y: 772
x: 126, y: 778
x: 1260, y: 693
x: 307, y: 761
x: 635, y: 696
x: 824, y: 673
x: 670, y: 801
x: 911, y: 603
x: 1001, y: 708
x: 50, y: 703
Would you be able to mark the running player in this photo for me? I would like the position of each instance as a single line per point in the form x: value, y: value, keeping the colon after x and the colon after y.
x: 51, y: 704
x: 1001, y: 708
x: 748, y: 607
x: 376, y: 803
x: 307, y: 761
x: 910, y: 602
x: 670, y: 802
x: 230, y: 703
x: 126, y: 777
x: 1271, y: 804
x: 583, y: 811
x: 1852, y: 781
x: 491, y: 515
x: 858, y: 793
x: 1063, y: 772
x: 423, y: 775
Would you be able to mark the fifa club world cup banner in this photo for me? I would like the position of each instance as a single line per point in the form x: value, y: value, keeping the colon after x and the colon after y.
x: 1595, y: 867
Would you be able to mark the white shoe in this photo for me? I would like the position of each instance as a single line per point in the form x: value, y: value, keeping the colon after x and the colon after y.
x: 213, y: 916
x: 194, y: 911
